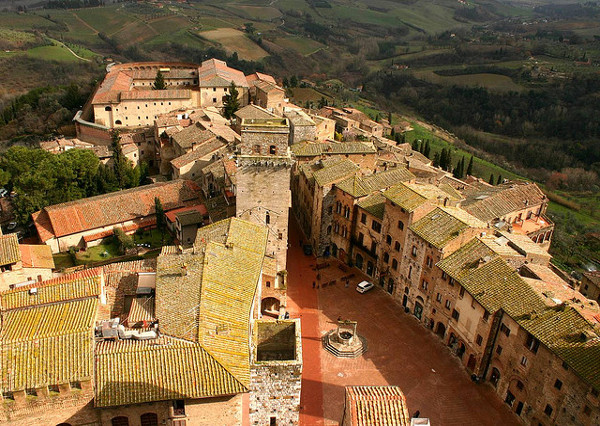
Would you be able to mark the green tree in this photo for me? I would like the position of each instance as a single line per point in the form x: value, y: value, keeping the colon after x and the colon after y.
x: 161, y: 219
x: 443, y: 163
x: 500, y: 180
x: 470, y: 167
x: 427, y: 150
x: 159, y: 81
x: 293, y: 81
x: 436, y: 159
x: 124, y: 241
x: 231, y: 103
x: 415, y: 145
x: 491, y: 181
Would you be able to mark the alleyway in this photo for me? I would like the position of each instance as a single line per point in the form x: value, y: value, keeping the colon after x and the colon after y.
x: 401, y: 352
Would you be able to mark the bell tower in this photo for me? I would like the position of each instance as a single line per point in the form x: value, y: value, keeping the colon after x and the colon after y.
x: 263, y: 183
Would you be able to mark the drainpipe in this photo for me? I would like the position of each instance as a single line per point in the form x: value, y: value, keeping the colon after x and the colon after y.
x: 489, y: 356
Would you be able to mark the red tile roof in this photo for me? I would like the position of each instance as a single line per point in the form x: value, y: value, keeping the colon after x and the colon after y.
x: 200, y: 208
x: 113, y: 208
x: 376, y: 405
x: 215, y: 73
x: 36, y: 256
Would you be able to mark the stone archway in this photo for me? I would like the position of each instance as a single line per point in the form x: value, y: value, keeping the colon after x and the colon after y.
x: 440, y: 330
x: 471, y: 363
x: 270, y: 306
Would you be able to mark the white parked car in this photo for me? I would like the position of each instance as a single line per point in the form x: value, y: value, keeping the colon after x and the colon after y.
x: 364, y: 286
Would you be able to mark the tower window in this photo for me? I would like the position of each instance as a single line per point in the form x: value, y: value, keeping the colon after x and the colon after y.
x: 273, y: 150
x: 256, y: 149
x: 268, y: 218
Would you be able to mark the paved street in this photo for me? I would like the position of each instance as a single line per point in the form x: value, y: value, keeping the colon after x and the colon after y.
x: 401, y: 352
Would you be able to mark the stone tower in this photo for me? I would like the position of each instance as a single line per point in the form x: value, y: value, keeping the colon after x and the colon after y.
x: 263, y: 183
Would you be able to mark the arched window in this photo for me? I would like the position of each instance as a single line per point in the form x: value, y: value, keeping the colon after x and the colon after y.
x: 118, y: 122
x: 149, y: 419
x: 256, y: 149
x: 268, y: 218
x: 273, y: 150
x: 400, y: 224
x: 495, y: 376
x: 329, y: 230
x: 119, y: 421
x: 394, y: 264
x: 108, y: 108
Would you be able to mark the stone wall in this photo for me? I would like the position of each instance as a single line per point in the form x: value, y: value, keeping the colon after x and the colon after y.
x: 276, y: 383
x: 264, y: 191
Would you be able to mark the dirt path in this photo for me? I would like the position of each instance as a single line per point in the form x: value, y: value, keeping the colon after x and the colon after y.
x: 69, y: 49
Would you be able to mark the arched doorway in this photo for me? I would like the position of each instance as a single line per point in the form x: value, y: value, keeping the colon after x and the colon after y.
x: 495, y: 376
x: 515, y: 395
x: 440, y: 330
x: 270, y: 306
x: 149, y: 419
x: 334, y: 250
x: 390, y: 287
x: 471, y: 363
x: 418, y: 310
x: 461, y: 350
x: 370, y: 268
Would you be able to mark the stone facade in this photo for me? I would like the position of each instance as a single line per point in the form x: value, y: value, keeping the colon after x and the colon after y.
x: 75, y: 407
x: 276, y: 373
x: 262, y: 187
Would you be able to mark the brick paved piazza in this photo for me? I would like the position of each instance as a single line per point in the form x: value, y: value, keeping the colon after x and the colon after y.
x: 401, y: 352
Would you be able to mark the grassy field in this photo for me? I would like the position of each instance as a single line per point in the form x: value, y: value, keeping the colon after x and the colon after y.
x: 52, y: 53
x: 303, y: 94
x: 302, y: 45
x: 496, y: 82
x: 259, y: 13
x: 233, y: 40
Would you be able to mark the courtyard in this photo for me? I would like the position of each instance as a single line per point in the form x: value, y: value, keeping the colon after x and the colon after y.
x: 400, y: 351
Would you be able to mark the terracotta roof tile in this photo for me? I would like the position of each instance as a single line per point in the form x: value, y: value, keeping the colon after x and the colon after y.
x: 494, y: 202
x: 134, y: 372
x: 360, y: 186
x: 214, y: 72
x: 9, y: 249
x: 36, y: 256
x: 113, y: 208
x: 377, y: 406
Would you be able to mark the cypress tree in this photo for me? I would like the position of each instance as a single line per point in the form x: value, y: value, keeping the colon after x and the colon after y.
x: 159, y: 81
x: 444, y: 159
x: 491, y: 181
x: 470, y: 167
x: 415, y: 145
x: 231, y: 103
x: 448, y: 160
x: 500, y: 180
x: 427, y: 149
x: 436, y: 159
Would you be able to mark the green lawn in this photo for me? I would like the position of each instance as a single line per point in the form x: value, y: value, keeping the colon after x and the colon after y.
x: 104, y: 251
x: 152, y: 237
x: 52, y: 53
x: 62, y: 261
